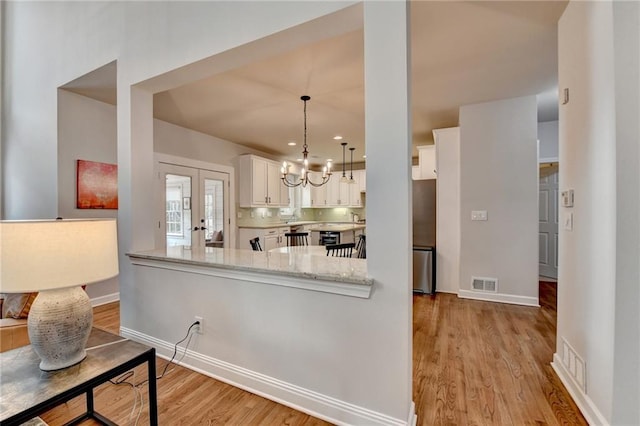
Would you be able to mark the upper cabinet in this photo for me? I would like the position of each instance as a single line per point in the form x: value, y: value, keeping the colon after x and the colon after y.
x: 427, y: 166
x: 335, y: 193
x: 260, y: 183
x: 355, y: 190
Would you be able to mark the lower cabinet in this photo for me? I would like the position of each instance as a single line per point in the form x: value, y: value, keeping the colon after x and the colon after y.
x: 270, y: 238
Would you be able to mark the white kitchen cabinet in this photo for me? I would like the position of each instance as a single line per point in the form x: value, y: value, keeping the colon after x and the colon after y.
x: 363, y: 180
x: 270, y: 238
x: 314, y: 196
x: 274, y: 184
x: 355, y: 198
x: 260, y: 183
x: 285, y: 193
x: 426, y: 162
x: 337, y: 192
x: 415, y: 172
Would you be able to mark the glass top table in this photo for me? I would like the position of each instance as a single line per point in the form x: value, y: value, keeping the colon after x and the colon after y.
x: 26, y: 391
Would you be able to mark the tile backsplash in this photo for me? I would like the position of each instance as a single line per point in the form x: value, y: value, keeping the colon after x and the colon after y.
x: 268, y: 216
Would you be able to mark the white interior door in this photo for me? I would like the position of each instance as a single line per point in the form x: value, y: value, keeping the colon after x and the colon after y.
x: 548, y: 227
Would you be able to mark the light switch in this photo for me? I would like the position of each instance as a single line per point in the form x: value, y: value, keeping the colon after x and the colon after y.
x: 568, y: 221
x: 567, y: 198
x: 479, y: 215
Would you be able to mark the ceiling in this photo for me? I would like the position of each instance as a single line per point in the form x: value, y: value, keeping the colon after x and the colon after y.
x: 462, y: 53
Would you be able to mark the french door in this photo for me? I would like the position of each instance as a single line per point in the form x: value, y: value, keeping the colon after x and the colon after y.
x: 194, y: 208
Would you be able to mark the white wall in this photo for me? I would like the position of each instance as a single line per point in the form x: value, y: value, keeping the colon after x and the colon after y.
x: 182, y: 142
x: 626, y: 370
x: 548, y: 137
x: 86, y: 131
x: 598, y: 274
x: 448, y: 209
x: 150, y: 39
x: 499, y: 174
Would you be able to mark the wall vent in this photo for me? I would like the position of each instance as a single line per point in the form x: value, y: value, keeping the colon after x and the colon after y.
x: 484, y: 284
x: 575, y: 365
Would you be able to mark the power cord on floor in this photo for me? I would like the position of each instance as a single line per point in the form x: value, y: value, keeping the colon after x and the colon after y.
x: 123, y: 379
x: 175, y: 349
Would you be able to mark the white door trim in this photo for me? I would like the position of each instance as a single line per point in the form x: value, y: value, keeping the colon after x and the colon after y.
x: 160, y: 158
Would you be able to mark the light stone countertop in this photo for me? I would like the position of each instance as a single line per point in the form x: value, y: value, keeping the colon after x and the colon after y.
x: 336, y: 269
x: 338, y: 227
x: 279, y: 225
x: 315, y: 226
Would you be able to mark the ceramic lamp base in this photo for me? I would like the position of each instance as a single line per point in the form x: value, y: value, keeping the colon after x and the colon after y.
x: 59, y: 324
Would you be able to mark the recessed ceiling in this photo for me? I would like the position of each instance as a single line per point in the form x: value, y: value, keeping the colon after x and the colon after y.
x: 462, y: 53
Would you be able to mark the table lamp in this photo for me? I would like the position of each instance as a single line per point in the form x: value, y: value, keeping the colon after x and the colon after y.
x: 55, y: 258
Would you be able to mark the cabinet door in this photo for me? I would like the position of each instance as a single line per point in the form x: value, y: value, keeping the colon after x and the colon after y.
x: 344, y: 189
x: 333, y: 190
x: 347, y: 237
x: 363, y: 180
x: 307, y: 199
x: 273, y: 183
x: 270, y: 242
x: 354, y: 190
x: 282, y: 240
x: 319, y: 193
x: 285, y: 194
x: 258, y: 182
x: 427, y: 161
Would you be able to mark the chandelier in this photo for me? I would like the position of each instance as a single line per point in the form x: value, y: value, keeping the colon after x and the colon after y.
x: 304, y: 172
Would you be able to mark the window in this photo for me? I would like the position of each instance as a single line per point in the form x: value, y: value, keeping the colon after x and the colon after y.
x: 174, y: 212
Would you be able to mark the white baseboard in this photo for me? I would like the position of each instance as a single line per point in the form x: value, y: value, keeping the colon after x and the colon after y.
x: 582, y: 400
x: 305, y: 400
x: 103, y: 300
x: 499, y: 297
x: 413, y: 417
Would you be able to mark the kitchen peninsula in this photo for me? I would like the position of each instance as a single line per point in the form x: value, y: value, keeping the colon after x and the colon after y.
x: 345, y: 276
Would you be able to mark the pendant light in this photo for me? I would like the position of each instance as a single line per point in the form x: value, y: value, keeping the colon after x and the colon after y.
x: 351, y: 180
x: 304, y: 173
x: 344, y: 178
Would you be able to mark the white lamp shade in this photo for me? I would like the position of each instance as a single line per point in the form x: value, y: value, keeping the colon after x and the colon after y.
x: 53, y: 254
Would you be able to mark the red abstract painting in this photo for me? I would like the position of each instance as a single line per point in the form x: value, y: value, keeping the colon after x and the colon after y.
x: 97, y: 185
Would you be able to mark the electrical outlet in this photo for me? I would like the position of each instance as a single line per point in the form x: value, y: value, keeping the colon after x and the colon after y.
x: 200, y: 327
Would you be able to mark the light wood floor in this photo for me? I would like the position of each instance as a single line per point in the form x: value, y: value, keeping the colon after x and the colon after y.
x: 475, y: 363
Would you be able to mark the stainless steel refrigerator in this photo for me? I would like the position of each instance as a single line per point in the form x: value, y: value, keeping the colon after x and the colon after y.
x: 424, y: 236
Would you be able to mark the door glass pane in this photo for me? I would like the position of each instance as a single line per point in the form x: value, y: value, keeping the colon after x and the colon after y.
x: 178, y: 210
x: 214, y: 212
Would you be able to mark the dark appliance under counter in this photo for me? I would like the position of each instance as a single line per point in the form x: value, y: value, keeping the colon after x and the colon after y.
x: 424, y: 269
x: 329, y: 237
